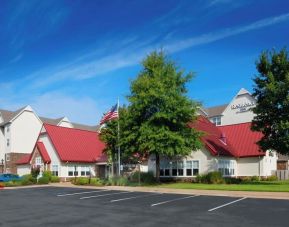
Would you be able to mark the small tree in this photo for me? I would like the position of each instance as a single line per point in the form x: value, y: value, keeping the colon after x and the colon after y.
x: 159, y: 111
x: 109, y: 135
x: 272, y: 93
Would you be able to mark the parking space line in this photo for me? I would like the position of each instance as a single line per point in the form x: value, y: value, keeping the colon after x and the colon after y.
x: 135, y: 197
x: 95, y: 196
x: 79, y: 193
x: 168, y: 201
x: 226, y: 204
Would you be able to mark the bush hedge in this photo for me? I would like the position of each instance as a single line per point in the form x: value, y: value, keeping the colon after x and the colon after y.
x: 146, y: 178
x: 54, y: 179
x: 43, y: 180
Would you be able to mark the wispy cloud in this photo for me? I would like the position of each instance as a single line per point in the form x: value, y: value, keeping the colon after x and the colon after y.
x: 132, y: 54
x: 212, y: 37
x: 16, y: 59
x: 41, y: 17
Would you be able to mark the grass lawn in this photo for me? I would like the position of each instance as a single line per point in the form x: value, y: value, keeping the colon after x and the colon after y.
x: 262, y: 186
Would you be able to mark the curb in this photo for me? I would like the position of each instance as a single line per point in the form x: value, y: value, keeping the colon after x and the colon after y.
x: 248, y: 194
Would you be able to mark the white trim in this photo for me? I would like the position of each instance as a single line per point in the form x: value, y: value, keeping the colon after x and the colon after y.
x: 28, y: 109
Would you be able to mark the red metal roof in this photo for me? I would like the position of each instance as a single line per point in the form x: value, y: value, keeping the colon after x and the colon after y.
x: 243, y: 139
x: 212, y: 138
x: 43, y: 152
x: 25, y: 159
x: 76, y: 145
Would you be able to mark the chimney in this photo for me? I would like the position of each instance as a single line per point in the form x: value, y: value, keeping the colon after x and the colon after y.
x: 223, y: 138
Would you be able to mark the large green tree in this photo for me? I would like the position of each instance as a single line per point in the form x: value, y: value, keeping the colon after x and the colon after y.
x: 159, y: 111
x: 272, y: 93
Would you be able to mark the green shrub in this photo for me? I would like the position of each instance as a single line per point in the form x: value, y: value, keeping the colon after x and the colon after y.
x: 43, y: 180
x: 117, y: 181
x: 255, y: 178
x: 28, y: 179
x: 211, y: 178
x: 200, y: 178
x: 122, y: 181
x: 96, y: 182
x: 54, y: 179
x: 81, y: 181
x: 146, y: 178
x: 231, y: 180
x: 47, y: 174
x: 35, y: 172
x: 272, y: 178
x: 12, y: 183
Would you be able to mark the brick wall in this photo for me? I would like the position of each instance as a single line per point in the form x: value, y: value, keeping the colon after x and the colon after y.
x: 10, y: 165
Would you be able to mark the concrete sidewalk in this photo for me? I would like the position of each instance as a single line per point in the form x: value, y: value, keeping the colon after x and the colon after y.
x: 249, y: 194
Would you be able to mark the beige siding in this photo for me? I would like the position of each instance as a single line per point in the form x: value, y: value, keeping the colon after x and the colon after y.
x: 234, y: 116
x: 23, y: 169
x: 24, y: 132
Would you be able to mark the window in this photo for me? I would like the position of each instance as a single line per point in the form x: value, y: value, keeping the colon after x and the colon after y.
x: 189, y: 168
x: 38, y: 161
x: 216, y: 120
x: 70, y: 170
x: 226, y: 167
x: 7, y: 157
x: 8, y: 128
x: 165, y: 168
x: 178, y: 168
x: 85, y: 171
x: 55, y: 170
x: 8, y: 142
x: 192, y: 168
x: 195, y: 168
x: 174, y: 169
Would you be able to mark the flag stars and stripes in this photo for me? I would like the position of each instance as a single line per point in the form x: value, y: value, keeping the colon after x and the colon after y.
x: 110, y: 115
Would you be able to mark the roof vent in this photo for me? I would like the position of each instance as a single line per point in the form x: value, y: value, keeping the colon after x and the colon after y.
x: 223, y: 138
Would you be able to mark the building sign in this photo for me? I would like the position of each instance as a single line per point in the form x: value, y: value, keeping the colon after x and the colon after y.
x: 242, y: 107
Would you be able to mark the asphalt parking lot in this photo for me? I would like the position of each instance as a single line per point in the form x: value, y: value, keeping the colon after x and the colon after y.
x: 53, y: 206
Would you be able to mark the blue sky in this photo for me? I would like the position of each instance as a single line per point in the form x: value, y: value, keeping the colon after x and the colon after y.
x: 75, y: 58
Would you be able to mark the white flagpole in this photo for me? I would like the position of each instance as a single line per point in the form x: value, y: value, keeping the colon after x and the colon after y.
x: 118, y: 137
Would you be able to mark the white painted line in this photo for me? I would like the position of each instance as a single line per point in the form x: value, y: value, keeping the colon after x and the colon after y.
x: 79, y: 193
x: 95, y: 196
x: 235, y: 201
x: 168, y: 201
x: 135, y: 197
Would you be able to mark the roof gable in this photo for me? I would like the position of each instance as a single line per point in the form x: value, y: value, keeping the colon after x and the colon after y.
x: 43, y: 152
x: 76, y: 145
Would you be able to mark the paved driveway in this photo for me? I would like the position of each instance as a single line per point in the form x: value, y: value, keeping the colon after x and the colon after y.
x: 52, y: 206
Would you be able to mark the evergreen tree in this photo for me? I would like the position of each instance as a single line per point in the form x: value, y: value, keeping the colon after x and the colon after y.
x: 272, y: 93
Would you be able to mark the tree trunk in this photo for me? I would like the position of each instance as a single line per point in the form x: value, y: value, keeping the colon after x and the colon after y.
x: 157, y: 168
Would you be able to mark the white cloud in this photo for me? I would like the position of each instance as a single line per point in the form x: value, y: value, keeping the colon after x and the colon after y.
x: 56, y: 104
x: 212, y: 37
x: 133, y: 54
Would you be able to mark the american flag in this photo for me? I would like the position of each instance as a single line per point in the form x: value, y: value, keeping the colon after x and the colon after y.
x: 110, y: 115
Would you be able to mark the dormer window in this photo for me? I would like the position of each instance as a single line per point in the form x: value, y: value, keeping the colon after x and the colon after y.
x: 216, y: 120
